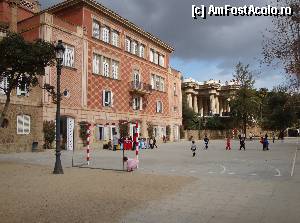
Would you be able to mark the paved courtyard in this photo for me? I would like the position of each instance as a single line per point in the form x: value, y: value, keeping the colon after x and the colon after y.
x: 229, y: 186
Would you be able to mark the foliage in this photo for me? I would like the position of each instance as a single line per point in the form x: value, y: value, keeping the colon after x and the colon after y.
x: 123, y: 127
x: 84, y: 126
x: 278, y: 111
x: 214, y: 123
x: 282, y: 43
x: 150, y: 129
x: 49, y: 134
x: 21, y: 63
x: 245, y: 105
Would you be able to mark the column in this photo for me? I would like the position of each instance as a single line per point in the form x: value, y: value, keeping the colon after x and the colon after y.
x: 190, y: 101
x: 201, y: 109
x: 195, y: 104
x: 221, y: 106
x: 228, y: 107
x: 217, y: 105
x: 212, y: 103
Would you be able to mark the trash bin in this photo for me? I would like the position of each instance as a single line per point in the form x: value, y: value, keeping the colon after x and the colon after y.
x: 35, y: 146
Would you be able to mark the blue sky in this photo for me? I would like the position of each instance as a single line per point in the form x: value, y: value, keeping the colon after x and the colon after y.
x: 204, y: 49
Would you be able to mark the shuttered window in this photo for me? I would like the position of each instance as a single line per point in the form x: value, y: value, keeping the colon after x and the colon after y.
x: 23, y: 124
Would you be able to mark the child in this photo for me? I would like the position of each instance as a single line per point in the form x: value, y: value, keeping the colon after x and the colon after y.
x: 228, y: 144
x: 193, y: 148
x: 242, y: 143
x: 206, y: 140
x: 132, y: 164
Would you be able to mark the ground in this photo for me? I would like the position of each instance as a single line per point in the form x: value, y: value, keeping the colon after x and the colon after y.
x: 169, y: 186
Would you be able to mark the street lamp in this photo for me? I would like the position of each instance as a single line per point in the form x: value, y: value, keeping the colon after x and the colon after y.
x: 59, y: 50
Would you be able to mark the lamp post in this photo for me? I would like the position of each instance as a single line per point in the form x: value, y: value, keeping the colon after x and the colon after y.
x: 59, y: 50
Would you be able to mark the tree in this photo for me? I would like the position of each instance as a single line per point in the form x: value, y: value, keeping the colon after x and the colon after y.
x: 21, y: 64
x: 245, y: 105
x: 279, y: 113
x: 282, y: 42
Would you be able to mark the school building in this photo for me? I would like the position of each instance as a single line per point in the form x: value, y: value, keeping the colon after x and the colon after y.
x: 113, y: 71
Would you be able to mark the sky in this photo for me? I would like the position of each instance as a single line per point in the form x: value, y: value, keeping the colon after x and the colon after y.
x: 204, y: 48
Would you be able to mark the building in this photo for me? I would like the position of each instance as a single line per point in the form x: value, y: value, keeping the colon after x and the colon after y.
x: 209, y: 98
x: 112, y: 71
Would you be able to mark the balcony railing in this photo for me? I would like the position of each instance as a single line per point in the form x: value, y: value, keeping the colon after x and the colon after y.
x: 140, y: 87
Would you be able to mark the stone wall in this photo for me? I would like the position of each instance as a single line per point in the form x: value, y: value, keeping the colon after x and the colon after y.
x: 10, y: 141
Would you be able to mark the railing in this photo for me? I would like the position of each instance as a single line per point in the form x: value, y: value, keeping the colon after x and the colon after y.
x: 140, y: 86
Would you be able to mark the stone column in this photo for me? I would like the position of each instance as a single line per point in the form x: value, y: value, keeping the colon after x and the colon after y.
x: 195, y: 104
x: 190, y: 101
x: 217, y: 105
x: 221, y: 106
x: 212, y: 103
x: 201, y: 109
x: 228, y: 107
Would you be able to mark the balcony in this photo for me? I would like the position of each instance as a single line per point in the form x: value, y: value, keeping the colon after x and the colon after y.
x: 140, y: 87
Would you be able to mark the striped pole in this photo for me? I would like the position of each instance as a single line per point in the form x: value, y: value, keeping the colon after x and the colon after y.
x: 136, y: 140
x: 88, y: 135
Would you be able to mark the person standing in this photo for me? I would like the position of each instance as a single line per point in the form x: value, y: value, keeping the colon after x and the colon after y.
x: 115, y: 141
x: 193, y: 148
x: 250, y: 136
x: 242, y: 143
x: 154, y: 143
x: 228, y: 143
x: 151, y: 143
x: 273, y: 136
x: 206, y: 140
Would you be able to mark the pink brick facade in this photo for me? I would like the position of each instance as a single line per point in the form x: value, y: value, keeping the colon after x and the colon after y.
x: 72, y: 23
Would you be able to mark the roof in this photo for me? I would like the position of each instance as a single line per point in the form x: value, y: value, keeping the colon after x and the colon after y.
x: 94, y: 4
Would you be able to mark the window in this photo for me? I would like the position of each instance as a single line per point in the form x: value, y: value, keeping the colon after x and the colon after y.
x: 96, y: 29
x: 22, y: 90
x: 105, y: 34
x: 161, y: 60
x: 23, y: 124
x: 115, y: 69
x: 68, y: 59
x: 136, y: 76
x: 157, y: 82
x: 151, y: 55
x: 3, y: 85
x: 127, y: 45
x: 115, y: 38
x: 152, y: 81
x: 174, y: 89
x: 142, y: 51
x: 159, y: 107
x: 107, y: 98
x: 96, y: 64
x: 155, y: 57
x: 134, y: 48
x: 101, y: 133
x: 137, y: 103
x: 105, y: 66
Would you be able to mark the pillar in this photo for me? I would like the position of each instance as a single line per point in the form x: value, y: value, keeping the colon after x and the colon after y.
x: 190, y: 101
x: 195, y: 104
x: 201, y: 109
x: 217, y: 105
x: 221, y: 106
x: 212, y: 103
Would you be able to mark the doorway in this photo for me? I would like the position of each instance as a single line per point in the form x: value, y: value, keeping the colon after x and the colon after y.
x: 67, y: 125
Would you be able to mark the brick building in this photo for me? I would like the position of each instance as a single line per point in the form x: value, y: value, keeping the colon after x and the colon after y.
x: 112, y: 71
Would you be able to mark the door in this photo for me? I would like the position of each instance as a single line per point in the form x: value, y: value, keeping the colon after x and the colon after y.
x: 70, y: 133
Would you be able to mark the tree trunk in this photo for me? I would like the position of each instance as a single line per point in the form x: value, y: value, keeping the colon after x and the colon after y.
x: 5, y: 109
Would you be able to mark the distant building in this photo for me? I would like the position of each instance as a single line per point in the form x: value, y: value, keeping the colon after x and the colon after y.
x: 209, y: 98
x: 112, y: 71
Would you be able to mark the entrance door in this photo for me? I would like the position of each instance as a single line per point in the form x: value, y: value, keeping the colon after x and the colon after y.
x: 70, y: 133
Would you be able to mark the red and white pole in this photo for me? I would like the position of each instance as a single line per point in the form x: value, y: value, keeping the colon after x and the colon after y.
x: 136, y: 140
x: 88, y: 135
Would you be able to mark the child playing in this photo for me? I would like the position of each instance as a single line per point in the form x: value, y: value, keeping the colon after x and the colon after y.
x: 132, y: 164
x: 242, y: 143
x: 193, y: 148
x: 228, y: 143
x: 206, y: 140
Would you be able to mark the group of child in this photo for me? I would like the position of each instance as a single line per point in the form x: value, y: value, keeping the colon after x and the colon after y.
x: 264, y: 141
x: 129, y: 144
